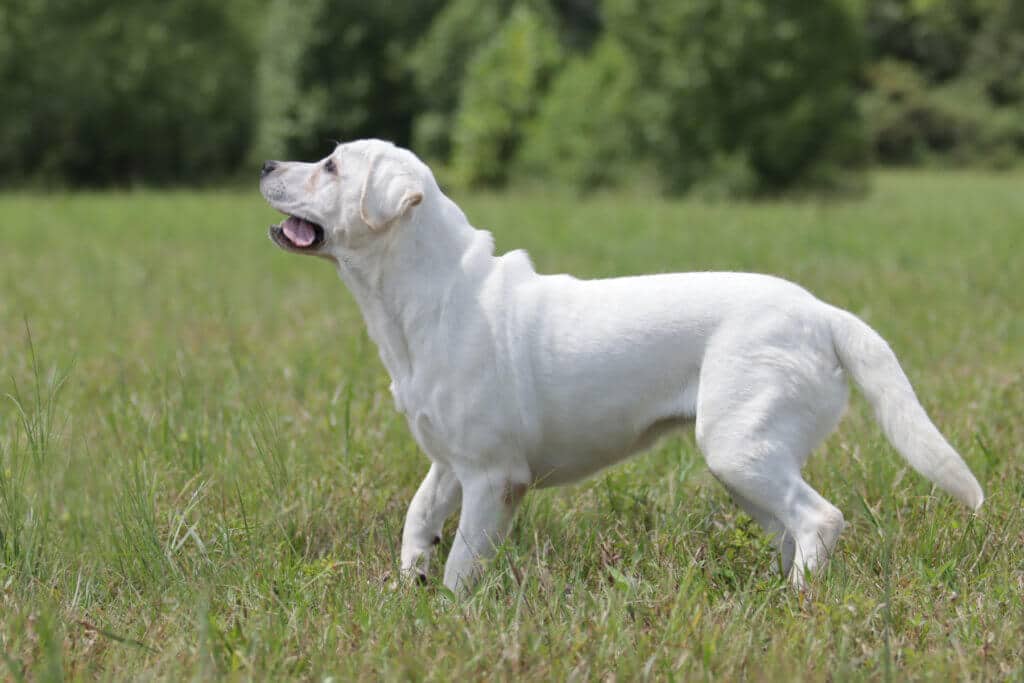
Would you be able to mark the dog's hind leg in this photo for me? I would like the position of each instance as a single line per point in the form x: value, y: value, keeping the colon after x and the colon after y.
x: 759, y: 416
x: 816, y: 525
x: 768, y: 484
x: 781, y: 540
x: 435, y: 500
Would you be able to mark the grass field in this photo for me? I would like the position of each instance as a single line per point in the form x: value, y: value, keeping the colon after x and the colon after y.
x: 202, y: 474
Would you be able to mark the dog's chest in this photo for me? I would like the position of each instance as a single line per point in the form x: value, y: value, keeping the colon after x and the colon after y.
x: 454, y: 419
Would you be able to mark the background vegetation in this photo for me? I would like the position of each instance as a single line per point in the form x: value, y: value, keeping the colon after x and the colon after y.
x: 728, y: 96
x: 202, y: 474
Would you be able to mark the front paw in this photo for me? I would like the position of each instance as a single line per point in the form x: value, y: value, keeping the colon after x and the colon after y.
x: 415, y: 567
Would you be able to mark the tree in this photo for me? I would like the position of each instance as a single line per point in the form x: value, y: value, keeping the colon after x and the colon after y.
x: 586, y: 133
x: 114, y: 92
x: 337, y: 70
x: 438, y: 64
x: 502, y: 89
x: 765, y: 85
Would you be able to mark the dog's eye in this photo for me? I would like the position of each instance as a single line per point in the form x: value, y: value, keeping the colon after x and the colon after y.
x: 329, y: 166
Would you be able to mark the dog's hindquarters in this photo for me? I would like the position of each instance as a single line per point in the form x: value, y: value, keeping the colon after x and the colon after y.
x: 874, y: 368
x: 770, y: 392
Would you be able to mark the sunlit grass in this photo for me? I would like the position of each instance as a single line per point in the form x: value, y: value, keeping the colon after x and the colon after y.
x: 202, y: 474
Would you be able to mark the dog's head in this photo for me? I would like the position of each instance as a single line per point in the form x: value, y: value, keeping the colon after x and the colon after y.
x: 346, y: 201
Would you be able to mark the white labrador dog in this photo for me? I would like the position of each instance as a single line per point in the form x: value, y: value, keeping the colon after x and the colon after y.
x: 509, y: 379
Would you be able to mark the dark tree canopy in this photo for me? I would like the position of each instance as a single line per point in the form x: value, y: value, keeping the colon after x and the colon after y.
x: 744, y: 96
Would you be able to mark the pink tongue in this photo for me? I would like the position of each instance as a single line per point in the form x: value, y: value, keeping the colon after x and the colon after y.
x: 299, y: 231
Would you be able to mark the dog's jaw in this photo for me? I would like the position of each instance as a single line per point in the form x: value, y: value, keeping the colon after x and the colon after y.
x: 298, y: 235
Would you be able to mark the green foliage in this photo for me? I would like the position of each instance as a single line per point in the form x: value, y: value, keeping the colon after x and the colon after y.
x: 335, y: 70
x: 765, y: 85
x: 997, y: 60
x: 911, y: 123
x: 96, y: 93
x: 439, y: 63
x: 283, y: 111
x: 502, y: 89
x: 585, y: 134
x: 738, y: 97
x: 935, y: 36
x: 902, y: 125
x: 962, y: 109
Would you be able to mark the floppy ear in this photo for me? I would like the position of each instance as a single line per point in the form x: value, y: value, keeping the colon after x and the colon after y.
x: 389, y: 191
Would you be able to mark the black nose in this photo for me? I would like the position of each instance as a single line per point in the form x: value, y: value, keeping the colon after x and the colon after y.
x: 268, y: 168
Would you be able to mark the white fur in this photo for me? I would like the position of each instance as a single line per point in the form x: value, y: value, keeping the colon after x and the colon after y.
x: 510, y: 379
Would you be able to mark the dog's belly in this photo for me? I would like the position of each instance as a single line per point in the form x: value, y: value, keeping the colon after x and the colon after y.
x: 584, y: 433
x: 569, y: 462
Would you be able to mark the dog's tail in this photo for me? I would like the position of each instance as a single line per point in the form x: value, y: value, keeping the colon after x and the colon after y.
x: 873, y: 366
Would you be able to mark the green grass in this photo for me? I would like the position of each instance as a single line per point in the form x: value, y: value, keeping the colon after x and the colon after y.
x: 202, y: 475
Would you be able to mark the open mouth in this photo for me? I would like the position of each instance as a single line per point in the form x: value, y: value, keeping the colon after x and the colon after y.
x: 298, y: 234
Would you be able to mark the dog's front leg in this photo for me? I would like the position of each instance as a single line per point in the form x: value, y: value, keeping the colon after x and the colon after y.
x: 489, y: 502
x: 436, y: 499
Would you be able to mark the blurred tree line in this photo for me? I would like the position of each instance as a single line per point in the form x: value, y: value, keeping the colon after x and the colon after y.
x: 733, y: 96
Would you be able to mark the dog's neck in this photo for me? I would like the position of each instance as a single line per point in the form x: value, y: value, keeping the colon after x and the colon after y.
x: 403, y: 283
